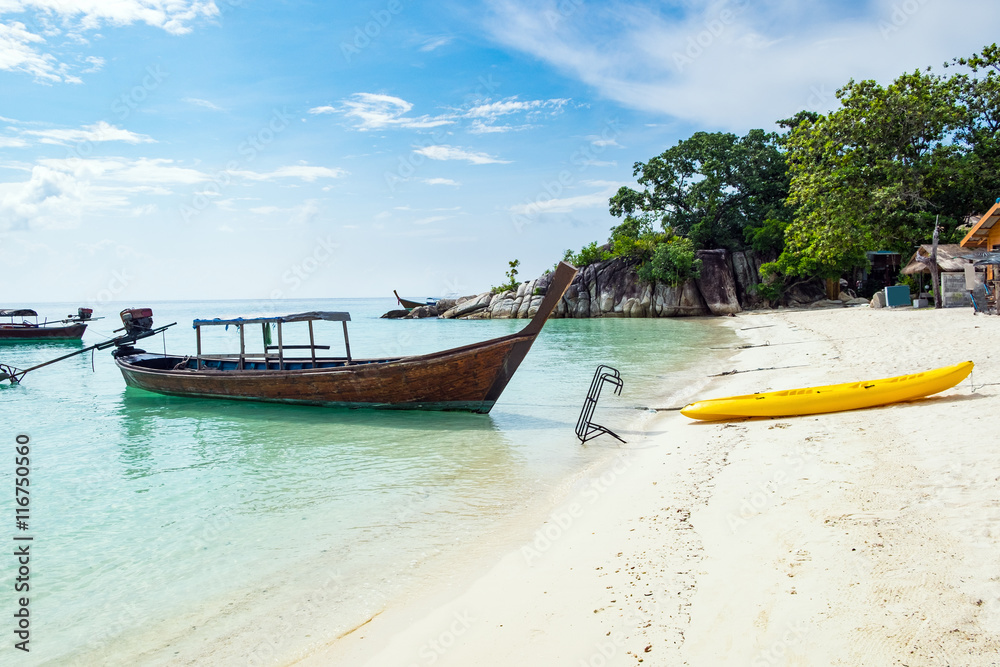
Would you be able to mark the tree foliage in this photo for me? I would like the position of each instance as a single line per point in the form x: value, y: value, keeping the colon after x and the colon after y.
x: 673, y: 262
x: 715, y: 188
x: 589, y: 254
x: 881, y: 170
x: 512, y: 281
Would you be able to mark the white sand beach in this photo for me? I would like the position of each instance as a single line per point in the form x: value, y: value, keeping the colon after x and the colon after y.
x: 859, y: 538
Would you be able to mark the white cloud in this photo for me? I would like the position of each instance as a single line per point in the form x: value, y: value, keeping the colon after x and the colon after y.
x: 17, y: 53
x: 12, y: 142
x: 146, y: 171
x: 545, y: 203
x: 300, y: 171
x: 22, y: 50
x: 440, y: 181
x: 430, y: 219
x: 597, y: 140
x: 485, y: 115
x: 513, y: 105
x: 96, y: 64
x: 375, y: 111
x: 736, y: 65
x: 202, y: 103
x: 479, y: 127
x: 98, y: 132
x: 445, y: 152
x: 59, y: 193
x: 435, y: 43
x: 49, y: 198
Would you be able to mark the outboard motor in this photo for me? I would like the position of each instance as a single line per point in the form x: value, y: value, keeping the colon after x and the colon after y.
x: 138, y: 324
x: 137, y: 320
x: 84, y: 314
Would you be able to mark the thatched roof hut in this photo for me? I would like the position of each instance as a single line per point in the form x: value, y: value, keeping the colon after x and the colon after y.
x: 949, y: 259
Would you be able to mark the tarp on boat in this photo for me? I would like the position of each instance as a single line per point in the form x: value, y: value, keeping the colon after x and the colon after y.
x: 327, y: 315
x: 22, y: 312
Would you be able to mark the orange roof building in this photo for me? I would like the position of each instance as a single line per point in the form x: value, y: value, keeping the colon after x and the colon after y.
x: 985, y: 234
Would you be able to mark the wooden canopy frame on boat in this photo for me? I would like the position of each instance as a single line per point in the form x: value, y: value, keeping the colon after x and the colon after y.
x: 309, y: 317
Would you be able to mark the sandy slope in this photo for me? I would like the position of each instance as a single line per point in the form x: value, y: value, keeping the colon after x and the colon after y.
x: 860, y: 538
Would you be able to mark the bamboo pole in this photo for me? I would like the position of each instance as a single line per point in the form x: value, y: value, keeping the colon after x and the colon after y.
x: 281, y: 351
x: 347, y: 342
x: 312, y: 343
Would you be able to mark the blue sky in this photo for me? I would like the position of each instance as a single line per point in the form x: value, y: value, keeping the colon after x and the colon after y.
x: 186, y: 149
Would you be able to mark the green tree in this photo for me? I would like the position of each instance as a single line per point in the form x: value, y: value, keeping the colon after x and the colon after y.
x: 589, y: 254
x: 865, y: 176
x: 673, y: 262
x: 715, y: 188
x: 976, y: 184
x: 512, y: 281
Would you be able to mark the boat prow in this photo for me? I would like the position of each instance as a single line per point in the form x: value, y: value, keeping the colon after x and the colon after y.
x: 830, y: 398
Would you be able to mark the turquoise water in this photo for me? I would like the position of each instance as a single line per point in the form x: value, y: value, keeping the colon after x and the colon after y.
x: 150, y: 513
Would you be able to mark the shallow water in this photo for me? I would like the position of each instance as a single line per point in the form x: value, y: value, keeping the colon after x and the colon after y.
x: 144, y: 506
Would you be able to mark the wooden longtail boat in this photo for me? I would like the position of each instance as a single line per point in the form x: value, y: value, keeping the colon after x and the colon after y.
x: 830, y: 398
x: 468, y: 378
x: 409, y: 304
x: 71, y: 328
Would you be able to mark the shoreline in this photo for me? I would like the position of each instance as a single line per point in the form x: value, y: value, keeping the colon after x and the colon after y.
x: 863, y: 537
x: 285, y: 615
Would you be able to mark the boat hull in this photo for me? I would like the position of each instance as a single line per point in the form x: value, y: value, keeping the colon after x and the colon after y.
x: 830, y: 398
x: 18, y: 333
x: 468, y: 379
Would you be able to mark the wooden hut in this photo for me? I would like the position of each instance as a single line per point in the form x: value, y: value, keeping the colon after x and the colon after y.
x: 949, y: 259
x: 951, y: 266
x: 985, y: 234
x: 985, y: 237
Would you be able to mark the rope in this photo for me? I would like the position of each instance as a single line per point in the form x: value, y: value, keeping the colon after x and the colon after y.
x: 974, y: 387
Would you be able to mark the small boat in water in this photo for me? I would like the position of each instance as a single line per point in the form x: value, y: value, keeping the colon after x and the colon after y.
x: 410, y: 304
x: 468, y: 378
x: 830, y: 398
x: 71, y: 328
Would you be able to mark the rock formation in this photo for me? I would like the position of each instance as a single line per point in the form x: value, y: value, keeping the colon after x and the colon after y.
x: 613, y: 289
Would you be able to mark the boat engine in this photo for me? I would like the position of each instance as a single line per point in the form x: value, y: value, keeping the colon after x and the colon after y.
x: 137, y: 320
x: 83, y: 314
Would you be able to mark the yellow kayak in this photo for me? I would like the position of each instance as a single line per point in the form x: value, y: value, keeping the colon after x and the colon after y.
x: 831, y: 398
